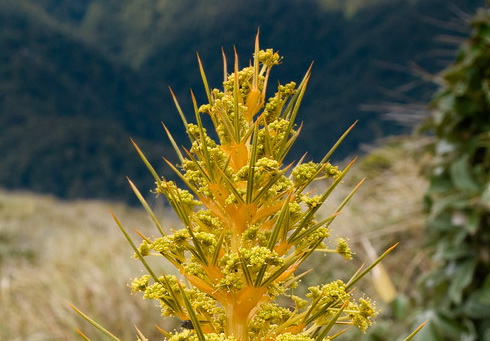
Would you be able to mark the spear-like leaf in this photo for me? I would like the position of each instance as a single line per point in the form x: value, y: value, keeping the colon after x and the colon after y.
x: 358, y: 276
x: 415, y: 332
x: 231, y: 186
x: 255, y: 79
x: 336, y: 335
x: 278, y: 272
x: 174, y: 144
x: 292, y: 110
x: 246, y: 271
x: 201, y: 170
x: 95, y: 324
x: 147, y: 208
x: 313, y: 228
x: 287, y: 114
x: 237, y: 100
x: 348, y: 197
x: 225, y: 66
x: 323, y: 334
x: 135, y: 248
x: 298, y: 96
x: 193, y: 316
x: 282, y: 153
x: 281, y: 223
x: 339, y: 141
x: 140, y: 335
x: 204, y: 80
x: 164, y: 332
x: 182, y: 177
x: 203, y: 138
x: 85, y: 337
x: 251, y: 166
x: 179, y: 109
x: 215, y: 258
x: 268, y: 150
x: 147, y: 163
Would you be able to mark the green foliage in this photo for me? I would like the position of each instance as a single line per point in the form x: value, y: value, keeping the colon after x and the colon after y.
x: 458, y: 198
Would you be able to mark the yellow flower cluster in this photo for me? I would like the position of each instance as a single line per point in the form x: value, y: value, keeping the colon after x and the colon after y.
x: 188, y: 335
x: 343, y: 248
x: 249, y: 221
x: 362, y: 313
x: 296, y: 337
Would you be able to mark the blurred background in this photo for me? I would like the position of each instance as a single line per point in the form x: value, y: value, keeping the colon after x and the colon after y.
x: 78, y: 78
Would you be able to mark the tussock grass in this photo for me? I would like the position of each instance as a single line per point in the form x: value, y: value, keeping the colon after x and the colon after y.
x: 388, y: 206
x: 54, y: 252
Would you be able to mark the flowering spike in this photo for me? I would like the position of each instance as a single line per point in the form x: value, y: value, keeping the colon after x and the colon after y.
x: 248, y: 220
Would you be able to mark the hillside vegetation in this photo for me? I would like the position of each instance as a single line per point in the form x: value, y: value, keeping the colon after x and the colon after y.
x: 77, y: 79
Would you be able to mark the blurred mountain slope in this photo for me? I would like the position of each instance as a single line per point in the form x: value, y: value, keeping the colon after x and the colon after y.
x: 67, y: 114
x: 77, y: 79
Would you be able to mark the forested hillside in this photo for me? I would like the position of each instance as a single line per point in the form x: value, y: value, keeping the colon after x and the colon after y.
x: 77, y: 79
x: 66, y: 113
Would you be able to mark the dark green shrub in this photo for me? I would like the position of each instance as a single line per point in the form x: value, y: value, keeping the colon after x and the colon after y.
x: 458, y: 198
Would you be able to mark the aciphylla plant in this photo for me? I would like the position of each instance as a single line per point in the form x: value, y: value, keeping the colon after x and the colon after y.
x: 248, y: 222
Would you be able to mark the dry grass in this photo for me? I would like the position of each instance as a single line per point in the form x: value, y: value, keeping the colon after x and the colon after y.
x: 388, y: 207
x: 54, y: 252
